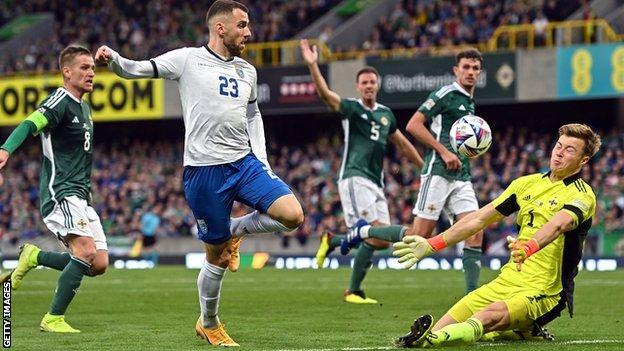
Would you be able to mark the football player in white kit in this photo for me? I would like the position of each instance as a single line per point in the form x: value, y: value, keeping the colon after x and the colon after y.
x: 221, y: 117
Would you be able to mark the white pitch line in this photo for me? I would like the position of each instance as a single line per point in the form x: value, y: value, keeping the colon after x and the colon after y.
x: 489, y: 344
x: 566, y: 342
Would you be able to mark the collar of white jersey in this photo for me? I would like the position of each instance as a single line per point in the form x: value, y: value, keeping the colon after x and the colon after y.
x: 70, y: 95
x: 217, y: 55
x: 461, y: 89
x: 366, y: 107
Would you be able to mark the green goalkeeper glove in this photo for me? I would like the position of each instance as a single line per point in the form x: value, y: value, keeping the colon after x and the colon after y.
x: 413, y: 248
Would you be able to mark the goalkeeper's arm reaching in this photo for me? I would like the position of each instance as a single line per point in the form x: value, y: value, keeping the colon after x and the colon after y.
x: 413, y: 248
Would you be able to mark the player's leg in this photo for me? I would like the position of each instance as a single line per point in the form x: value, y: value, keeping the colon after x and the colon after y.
x: 210, y: 196
x: 72, y: 221
x: 462, y: 202
x: 83, y: 255
x: 277, y: 208
x: 425, y: 333
x: 432, y: 197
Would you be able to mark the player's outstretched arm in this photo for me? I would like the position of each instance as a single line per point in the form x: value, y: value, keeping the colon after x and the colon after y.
x: 406, y: 148
x: 310, y: 56
x: 124, y: 67
x: 413, y: 248
x: 416, y: 127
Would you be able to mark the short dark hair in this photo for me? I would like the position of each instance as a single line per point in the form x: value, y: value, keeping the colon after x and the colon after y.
x: 469, y: 54
x: 69, y: 54
x: 221, y: 7
x: 367, y: 69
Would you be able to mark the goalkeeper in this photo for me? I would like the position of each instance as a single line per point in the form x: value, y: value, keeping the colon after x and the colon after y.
x: 555, y: 212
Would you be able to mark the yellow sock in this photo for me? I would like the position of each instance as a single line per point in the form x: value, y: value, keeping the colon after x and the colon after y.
x: 464, y: 333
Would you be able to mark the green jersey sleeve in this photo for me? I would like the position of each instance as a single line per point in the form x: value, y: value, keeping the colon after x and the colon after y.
x: 53, y: 109
x: 431, y: 107
x: 580, y: 205
x: 393, y: 124
x: 346, y: 108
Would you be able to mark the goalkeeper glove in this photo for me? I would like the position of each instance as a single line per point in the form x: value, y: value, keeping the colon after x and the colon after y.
x: 413, y: 248
x: 521, y: 250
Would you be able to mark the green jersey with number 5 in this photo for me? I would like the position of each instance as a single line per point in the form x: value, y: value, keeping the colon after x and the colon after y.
x: 366, y: 134
x: 67, y: 149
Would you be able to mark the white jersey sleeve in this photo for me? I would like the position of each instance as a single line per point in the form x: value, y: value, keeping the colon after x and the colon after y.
x: 169, y: 65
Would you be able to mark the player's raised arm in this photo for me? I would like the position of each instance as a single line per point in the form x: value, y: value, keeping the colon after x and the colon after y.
x: 310, y: 56
x: 413, y: 248
x: 406, y: 148
x: 168, y: 65
x: 416, y: 127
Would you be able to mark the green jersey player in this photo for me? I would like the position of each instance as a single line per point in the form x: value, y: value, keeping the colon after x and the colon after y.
x: 445, y: 177
x: 64, y: 124
x: 368, y: 126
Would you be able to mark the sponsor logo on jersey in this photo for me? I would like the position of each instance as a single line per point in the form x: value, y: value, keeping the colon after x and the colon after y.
x: 431, y: 208
x: 429, y: 104
x: 462, y: 108
x: 384, y: 120
x: 526, y: 198
x: 580, y: 204
x: 552, y: 202
x: 75, y: 120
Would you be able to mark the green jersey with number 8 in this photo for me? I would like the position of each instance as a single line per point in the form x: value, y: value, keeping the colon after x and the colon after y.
x: 366, y: 134
x: 67, y: 141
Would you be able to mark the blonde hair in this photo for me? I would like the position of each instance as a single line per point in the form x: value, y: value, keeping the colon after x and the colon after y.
x: 585, y: 133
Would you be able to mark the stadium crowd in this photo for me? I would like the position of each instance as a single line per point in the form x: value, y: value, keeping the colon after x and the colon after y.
x: 141, y: 29
x: 426, y: 24
x: 135, y: 177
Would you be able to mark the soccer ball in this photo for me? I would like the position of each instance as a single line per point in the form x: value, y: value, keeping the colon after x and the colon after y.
x: 470, y: 136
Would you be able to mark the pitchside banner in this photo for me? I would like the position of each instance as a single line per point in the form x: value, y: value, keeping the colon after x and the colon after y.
x: 112, y: 99
x: 407, y: 82
x: 590, y: 71
x: 283, y: 90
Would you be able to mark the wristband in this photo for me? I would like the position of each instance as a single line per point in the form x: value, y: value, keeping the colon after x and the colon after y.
x: 437, y: 243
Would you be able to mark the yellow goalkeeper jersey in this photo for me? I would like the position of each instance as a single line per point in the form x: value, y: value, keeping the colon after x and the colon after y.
x: 537, y: 199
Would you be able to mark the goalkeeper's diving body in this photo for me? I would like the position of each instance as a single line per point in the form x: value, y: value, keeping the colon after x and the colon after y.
x: 555, y: 212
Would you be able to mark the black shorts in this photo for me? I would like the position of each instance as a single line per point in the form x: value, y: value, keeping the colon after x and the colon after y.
x: 149, y: 241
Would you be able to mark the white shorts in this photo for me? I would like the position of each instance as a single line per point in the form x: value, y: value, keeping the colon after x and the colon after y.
x: 363, y: 199
x: 438, y: 193
x: 74, y: 216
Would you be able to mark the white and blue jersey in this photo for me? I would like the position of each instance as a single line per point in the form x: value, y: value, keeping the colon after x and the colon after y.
x: 224, y: 142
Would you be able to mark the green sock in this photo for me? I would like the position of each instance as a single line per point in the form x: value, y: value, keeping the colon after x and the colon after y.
x: 335, y: 241
x: 472, y: 266
x: 391, y: 233
x: 53, y: 259
x: 363, y: 261
x: 465, y: 333
x: 68, y: 284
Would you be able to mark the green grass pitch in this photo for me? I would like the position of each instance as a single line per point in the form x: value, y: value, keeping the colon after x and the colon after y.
x: 274, y: 309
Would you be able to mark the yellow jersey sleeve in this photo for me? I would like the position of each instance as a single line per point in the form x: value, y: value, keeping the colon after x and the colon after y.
x: 507, y: 202
x: 581, y: 205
